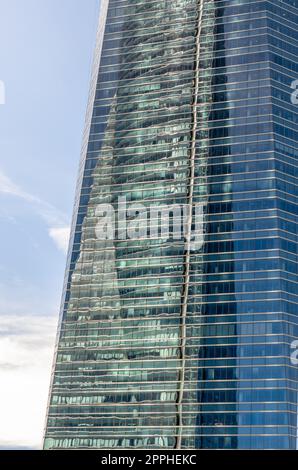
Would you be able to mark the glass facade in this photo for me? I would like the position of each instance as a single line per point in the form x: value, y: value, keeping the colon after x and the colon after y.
x: 161, y: 346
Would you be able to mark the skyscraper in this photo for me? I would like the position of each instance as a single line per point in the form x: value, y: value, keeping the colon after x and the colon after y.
x: 165, y: 343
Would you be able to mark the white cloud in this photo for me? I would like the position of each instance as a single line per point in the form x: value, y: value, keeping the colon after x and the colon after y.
x: 60, y: 237
x: 54, y: 219
x: 26, y: 353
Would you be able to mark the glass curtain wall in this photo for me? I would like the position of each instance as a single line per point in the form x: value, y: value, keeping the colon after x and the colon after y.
x: 163, y: 345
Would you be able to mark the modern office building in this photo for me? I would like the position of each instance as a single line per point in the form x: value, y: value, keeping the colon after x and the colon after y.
x: 166, y: 342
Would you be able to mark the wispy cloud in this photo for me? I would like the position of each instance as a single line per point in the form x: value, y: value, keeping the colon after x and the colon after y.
x: 26, y: 352
x: 7, y: 186
x: 55, y: 220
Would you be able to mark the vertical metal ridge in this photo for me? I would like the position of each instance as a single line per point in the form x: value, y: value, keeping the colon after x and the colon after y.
x: 188, y: 231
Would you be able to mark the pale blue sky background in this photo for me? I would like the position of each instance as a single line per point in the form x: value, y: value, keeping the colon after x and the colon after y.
x: 46, y: 49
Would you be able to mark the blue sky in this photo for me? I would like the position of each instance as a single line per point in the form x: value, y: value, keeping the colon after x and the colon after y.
x: 46, y: 49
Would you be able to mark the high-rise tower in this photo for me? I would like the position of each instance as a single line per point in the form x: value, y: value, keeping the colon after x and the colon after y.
x: 165, y: 342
